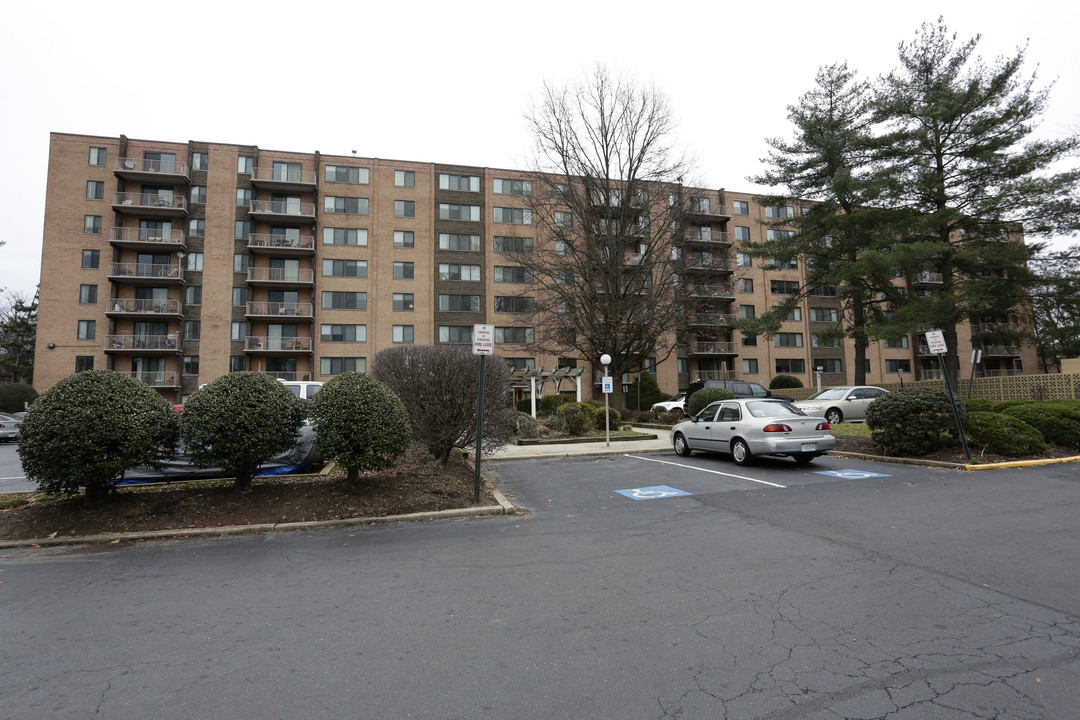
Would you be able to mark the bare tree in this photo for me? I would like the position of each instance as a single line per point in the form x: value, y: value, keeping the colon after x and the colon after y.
x: 606, y: 198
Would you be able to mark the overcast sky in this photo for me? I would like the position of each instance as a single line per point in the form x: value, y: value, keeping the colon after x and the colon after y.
x: 449, y: 82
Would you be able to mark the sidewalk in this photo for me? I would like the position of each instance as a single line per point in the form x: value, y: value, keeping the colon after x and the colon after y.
x: 619, y: 447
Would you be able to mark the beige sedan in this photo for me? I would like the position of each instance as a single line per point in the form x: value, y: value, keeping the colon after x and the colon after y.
x: 837, y: 404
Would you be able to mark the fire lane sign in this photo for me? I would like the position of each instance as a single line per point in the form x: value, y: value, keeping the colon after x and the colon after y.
x: 483, y: 339
x: 935, y: 339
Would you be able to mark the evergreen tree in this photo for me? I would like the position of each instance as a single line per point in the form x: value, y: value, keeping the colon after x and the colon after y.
x: 18, y: 333
x: 1055, y: 306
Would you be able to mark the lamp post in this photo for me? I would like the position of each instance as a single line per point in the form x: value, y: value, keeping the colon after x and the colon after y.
x: 605, y: 360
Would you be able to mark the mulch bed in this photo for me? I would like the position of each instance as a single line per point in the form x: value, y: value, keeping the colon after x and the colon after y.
x: 846, y: 443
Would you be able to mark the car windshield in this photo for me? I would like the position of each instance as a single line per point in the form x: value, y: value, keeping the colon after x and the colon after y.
x: 829, y: 394
x: 772, y: 408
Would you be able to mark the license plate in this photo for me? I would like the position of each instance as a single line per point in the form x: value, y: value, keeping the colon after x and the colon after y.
x: 808, y: 447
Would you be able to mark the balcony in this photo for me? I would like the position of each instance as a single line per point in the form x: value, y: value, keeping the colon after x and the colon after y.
x: 141, y: 272
x: 148, y: 240
x: 163, y: 172
x: 713, y: 239
x: 698, y: 212
x: 1005, y: 327
x: 281, y: 277
x: 1001, y: 351
x: 998, y: 373
x: 711, y: 320
x: 262, y: 344
x: 714, y: 348
x: 283, y: 179
x: 272, y: 310
x: 289, y: 212
x: 143, y: 308
x: 929, y: 278
x: 150, y: 204
x: 160, y: 379
x: 281, y: 244
x: 712, y: 292
x: 707, y: 264
x: 142, y: 344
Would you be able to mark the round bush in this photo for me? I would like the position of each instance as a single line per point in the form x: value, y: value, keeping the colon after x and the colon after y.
x: 1003, y: 434
x: 239, y: 421
x: 999, y: 407
x: 526, y: 425
x: 701, y: 398
x: 979, y: 405
x: 555, y: 423
x: 90, y: 427
x: 614, y: 418
x: 1055, y: 426
x: 1066, y: 408
x: 15, y: 396
x: 579, y: 417
x: 550, y: 404
x: 911, y: 421
x: 360, y: 423
x: 785, y: 381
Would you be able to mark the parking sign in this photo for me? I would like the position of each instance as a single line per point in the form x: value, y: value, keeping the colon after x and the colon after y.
x: 483, y: 339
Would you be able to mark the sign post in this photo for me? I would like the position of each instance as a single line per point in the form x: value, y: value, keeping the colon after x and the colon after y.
x: 483, y: 344
x: 976, y: 358
x: 605, y: 360
x: 936, y: 340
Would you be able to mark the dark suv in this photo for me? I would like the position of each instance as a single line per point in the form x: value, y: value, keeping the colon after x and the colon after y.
x: 746, y: 389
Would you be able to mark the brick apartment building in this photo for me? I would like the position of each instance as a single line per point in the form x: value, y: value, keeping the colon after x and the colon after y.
x: 180, y: 262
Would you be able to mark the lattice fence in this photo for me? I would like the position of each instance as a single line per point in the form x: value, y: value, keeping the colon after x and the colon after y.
x: 998, y: 389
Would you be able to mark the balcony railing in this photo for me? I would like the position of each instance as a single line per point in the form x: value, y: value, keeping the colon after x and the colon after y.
x: 710, y: 238
x: 283, y: 209
x: 930, y: 278
x: 280, y: 275
x: 1000, y: 350
x: 709, y: 211
x: 711, y: 319
x: 142, y: 202
x: 267, y: 241
x: 150, y: 271
x: 143, y: 306
x: 260, y: 343
x: 998, y: 373
x: 279, y: 309
x: 283, y: 175
x: 706, y: 263
x: 932, y: 375
x: 169, y: 240
x: 714, y: 348
x: 156, y: 378
x: 708, y: 291
x: 994, y: 327
x: 141, y: 342
x: 141, y: 166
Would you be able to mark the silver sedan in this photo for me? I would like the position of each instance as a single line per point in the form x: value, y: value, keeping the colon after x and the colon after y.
x: 747, y: 427
x: 837, y: 404
x: 9, y: 428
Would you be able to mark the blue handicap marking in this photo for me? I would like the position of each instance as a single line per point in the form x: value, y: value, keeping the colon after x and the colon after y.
x: 652, y: 493
x: 850, y: 474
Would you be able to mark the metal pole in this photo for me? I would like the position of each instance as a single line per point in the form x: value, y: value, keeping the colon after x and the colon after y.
x: 607, y: 415
x: 479, y: 430
x: 952, y: 401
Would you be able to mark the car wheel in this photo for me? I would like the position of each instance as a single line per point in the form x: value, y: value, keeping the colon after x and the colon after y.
x: 803, y: 458
x: 682, y: 449
x: 834, y: 416
x: 740, y: 452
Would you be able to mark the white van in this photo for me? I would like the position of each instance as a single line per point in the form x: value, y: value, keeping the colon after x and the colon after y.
x: 301, y: 388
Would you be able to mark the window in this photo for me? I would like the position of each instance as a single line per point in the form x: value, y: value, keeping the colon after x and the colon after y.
x: 790, y: 365
x: 784, y: 287
x: 344, y: 236
x: 892, y: 366
x: 449, y: 211
x: 91, y: 259
x: 520, y: 364
x: 404, y: 239
x: 455, y: 241
x: 239, y: 330
x: 745, y: 285
x: 742, y: 234
x: 823, y: 291
x: 344, y: 300
x: 513, y: 335
x: 794, y: 315
x: 243, y: 197
x: 829, y: 365
x: 819, y: 314
x: 191, y: 365
x: 92, y: 224
x: 345, y: 205
x: 562, y: 248
x: 897, y: 343
x: 772, y: 234
x: 95, y: 190
x: 344, y: 268
x: 512, y: 274
x: 192, y: 329
x: 740, y: 207
x: 823, y: 340
x: 87, y: 329
x: 404, y: 178
x: 469, y: 273
x: 200, y: 161
x: 239, y: 296
x: 563, y: 219
x: 237, y: 363
x: 84, y: 363
x: 455, y: 333
x: 351, y: 175
x: 462, y: 183
x: 459, y: 303
x: 749, y: 340
x: 97, y: 156
x: 194, y: 261
x: 788, y: 339
x: 404, y: 302
x: 193, y: 295
x: 242, y: 229
x: 513, y: 187
x: 343, y: 333
x: 778, y: 211
x: 88, y: 294
x: 513, y: 244
x: 338, y: 365
x: 240, y: 262
x: 747, y: 312
x: 403, y: 270
x: 403, y: 333
x: 743, y: 260
x: 749, y: 366
x: 244, y: 165
x: 513, y: 304
x: 197, y: 227
x: 792, y: 264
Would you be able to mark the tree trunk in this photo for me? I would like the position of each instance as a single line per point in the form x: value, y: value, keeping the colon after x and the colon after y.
x: 352, y: 477
x: 243, y: 479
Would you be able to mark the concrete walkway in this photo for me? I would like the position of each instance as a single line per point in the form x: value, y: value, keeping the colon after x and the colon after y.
x: 617, y: 447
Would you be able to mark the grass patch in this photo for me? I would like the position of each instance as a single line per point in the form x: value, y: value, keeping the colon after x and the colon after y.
x: 852, y: 430
x: 14, y: 500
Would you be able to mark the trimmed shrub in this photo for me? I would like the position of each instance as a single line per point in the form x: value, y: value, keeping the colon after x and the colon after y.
x: 524, y: 405
x: 979, y: 405
x: 550, y: 404
x: 999, y: 407
x: 579, y: 417
x: 15, y: 396
x: 90, y: 427
x: 643, y: 393
x: 555, y: 423
x: 637, y: 416
x: 703, y: 397
x: 526, y: 425
x: 240, y: 421
x: 1003, y: 434
x: 614, y: 418
x: 1056, y: 427
x: 1067, y: 408
x: 671, y: 417
x: 359, y: 423
x: 785, y: 381
x: 911, y: 421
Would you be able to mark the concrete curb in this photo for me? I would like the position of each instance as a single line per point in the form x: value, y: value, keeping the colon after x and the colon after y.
x: 952, y: 466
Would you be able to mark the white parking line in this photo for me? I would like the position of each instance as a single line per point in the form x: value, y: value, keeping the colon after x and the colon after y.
x: 714, y: 472
x: 20, y: 477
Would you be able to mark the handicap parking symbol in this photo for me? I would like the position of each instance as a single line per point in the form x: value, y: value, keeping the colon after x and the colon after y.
x: 652, y: 493
x: 850, y: 474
